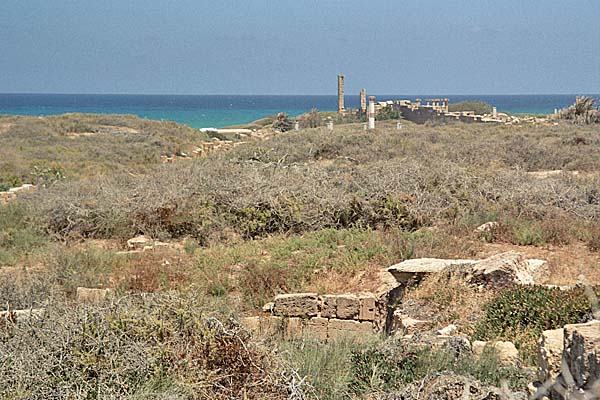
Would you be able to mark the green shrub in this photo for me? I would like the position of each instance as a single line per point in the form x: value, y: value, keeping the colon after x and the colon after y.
x: 389, y: 366
x: 521, y: 313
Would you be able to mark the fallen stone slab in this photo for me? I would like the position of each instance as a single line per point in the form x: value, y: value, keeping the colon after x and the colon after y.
x: 415, y: 269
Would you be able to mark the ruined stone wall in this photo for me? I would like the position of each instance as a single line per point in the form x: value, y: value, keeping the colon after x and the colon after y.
x: 327, y: 317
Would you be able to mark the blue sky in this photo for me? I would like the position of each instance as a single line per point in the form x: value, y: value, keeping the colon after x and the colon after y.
x: 299, y: 46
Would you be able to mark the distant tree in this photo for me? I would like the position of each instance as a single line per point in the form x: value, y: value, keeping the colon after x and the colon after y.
x: 583, y: 111
x: 388, y: 112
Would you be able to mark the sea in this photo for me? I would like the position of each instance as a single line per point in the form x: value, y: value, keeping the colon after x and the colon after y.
x: 217, y: 111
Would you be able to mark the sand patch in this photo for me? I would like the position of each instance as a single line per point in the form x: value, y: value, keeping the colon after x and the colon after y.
x: 5, y: 127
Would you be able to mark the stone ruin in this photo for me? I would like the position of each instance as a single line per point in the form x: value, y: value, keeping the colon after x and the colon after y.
x: 326, y: 317
x: 12, y: 193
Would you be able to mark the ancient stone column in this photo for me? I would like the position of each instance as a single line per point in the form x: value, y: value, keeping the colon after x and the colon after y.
x: 329, y: 124
x: 341, y: 107
x: 371, y: 112
x: 296, y: 126
x: 363, y: 101
x: 494, y: 112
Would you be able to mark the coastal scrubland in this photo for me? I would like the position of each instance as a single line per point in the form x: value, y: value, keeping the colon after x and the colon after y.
x: 312, y: 210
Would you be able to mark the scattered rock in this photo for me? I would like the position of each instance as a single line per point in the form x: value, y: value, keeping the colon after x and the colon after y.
x: 408, y: 325
x: 506, y: 352
x: 448, y: 331
x: 487, y: 227
x: 15, y: 316
x: 268, y: 307
x: 92, y: 296
x: 140, y: 242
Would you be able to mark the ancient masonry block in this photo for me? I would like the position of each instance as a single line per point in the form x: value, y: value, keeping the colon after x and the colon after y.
x: 271, y: 326
x: 348, y: 307
x: 293, y: 328
x: 328, y: 306
x: 317, y: 328
x: 339, y: 328
x: 367, y: 308
x: 297, y: 305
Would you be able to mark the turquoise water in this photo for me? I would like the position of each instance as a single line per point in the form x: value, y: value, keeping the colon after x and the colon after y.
x: 223, y: 110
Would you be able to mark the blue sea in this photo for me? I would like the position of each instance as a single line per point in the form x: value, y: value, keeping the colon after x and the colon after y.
x: 202, y: 111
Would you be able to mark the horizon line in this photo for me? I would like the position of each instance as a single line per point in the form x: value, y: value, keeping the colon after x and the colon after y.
x: 283, y: 95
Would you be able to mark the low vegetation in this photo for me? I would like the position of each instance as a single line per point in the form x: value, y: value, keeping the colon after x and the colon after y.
x: 583, y: 111
x: 312, y: 210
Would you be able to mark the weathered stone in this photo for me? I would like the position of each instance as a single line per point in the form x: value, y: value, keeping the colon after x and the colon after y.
x: 347, y: 307
x: 268, y: 307
x: 582, y: 352
x: 415, y: 269
x: 93, y: 296
x: 297, y: 305
x: 271, y: 326
x: 447, y: 331
x: 406, y: 325
x: 21, y: 315
x: 367, y: 308
x: 328, y: 306
x: 506, y: 352
x: 339, y: 328
x: 316, y: 328
x: 502, y: 270
x: 293, y: 328
x: 140, y: 242
x: 478, y: 346
x: 252, y: 324
x: 487, y: 227
x: 550, y: 349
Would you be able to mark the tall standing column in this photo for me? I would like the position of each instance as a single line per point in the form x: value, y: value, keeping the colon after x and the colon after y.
x: 371, y: 112
x: 363, y: 101
x: 341, y: 107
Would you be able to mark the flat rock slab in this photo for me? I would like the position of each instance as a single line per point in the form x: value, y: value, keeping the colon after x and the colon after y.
x: 417, y: 268
x: 296, y: 305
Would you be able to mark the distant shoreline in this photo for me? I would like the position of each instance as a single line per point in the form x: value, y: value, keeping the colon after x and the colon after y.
x: 218, y: 111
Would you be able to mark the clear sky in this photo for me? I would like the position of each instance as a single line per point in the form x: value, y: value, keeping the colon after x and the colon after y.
x: 299, y: 46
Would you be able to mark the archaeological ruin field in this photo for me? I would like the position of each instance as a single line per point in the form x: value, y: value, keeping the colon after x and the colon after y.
x: 152, y: 260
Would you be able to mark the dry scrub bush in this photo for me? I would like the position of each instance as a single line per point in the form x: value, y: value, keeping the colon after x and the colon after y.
x: 109, y: 144
x: 143, y: 346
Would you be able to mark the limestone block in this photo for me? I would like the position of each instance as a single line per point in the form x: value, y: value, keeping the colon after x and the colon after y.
x: 296, y: 305
x: 339, y: 328
x: 316, y: 328
x: 367, y: 308
x: 550, y: 349
x: 93, y: 296
x: 582, y: 352
x: 293, y: 328
x: 478, y: 347
x: 271, y: 326
x: 348, y: 307
x: 506, y: 352
x: 328, y: 306
x: 139, y: 242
